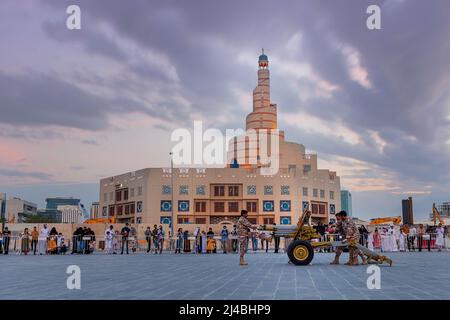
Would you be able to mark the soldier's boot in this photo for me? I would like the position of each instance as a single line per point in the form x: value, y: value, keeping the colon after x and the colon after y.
x: 242, y: 262
x: 364, y: 260
x: 352, y: 261
x: 335, y: 261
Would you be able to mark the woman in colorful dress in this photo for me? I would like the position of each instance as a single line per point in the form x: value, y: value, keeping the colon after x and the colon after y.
x: 25, y: 243
x: 52, y: 243
x: 376, y: 239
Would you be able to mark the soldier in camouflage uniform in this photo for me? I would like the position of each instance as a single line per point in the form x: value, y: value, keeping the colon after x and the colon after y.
x: 243, y: 230
x: 349, y: 231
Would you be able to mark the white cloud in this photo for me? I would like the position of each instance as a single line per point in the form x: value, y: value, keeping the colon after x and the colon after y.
x: 355, y: 68
x: 317, y: 125
x: 380, y: 142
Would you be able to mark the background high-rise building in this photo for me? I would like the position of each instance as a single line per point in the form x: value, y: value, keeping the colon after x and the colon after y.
x: 346, y: 202
x: 2, y: 205
x: 51, y: 212
x: 94, y: 210
x: 70, y: 213
x: 17, y: 210
x: 407, y: 211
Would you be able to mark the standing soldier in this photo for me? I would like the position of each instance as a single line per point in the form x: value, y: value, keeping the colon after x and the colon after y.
x: 243, y: 230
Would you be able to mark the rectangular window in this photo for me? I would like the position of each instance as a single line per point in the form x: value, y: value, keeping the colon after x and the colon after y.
x: 132, y: 208
x: 119, y: 195
x: 268, y: 220
x: 127, y: 209
x: 252, y: 220
x: 251, y: 206
x: 139, y: 191
x: 219, y: 191
x: 233, y: 191
x: 315, y: 193
x: 200, y: 220
x: 305, y: 191
x: 306, y: 168
x: 314, y: 208
x: 322, y: 193
x: 125, y: 194
x: 233, y: 206
x: 331, y: 194
x: 200, y: 206
x: 104, y: 211
x: 219, y: 206
x: 183, y: 220
x: 119, y: 210
x: 111, y: 211
x: 322, y: 209
x: 318, y: 208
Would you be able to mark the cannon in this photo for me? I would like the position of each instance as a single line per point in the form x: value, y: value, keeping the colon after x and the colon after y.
x: 305, y: 239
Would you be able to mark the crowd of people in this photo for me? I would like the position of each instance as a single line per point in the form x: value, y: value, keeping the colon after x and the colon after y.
x: 83, y: 240
x: 406, y: 238
x: 40, y: 242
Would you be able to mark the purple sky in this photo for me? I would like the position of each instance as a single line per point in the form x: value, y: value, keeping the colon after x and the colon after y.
x: 79, y: 105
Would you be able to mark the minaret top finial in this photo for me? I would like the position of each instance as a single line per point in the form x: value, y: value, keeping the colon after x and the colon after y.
x: 262, y: 50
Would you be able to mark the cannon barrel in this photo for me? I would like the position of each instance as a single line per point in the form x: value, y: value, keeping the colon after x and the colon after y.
x: 269, y: 227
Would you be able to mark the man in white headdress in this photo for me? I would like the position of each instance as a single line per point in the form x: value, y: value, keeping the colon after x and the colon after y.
x: 370, y: 241
x: 402, y: 240
x: 440, y: 237
x: 385, y: 241
x: 43, y: 237
x: 392, y: 239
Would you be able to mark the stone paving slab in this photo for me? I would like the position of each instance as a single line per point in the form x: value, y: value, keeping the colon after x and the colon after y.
x: 268, y: 276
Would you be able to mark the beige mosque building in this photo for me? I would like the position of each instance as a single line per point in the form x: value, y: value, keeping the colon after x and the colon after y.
x: 213, y: 197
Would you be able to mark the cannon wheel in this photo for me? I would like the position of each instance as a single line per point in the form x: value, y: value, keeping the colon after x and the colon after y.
x: 300, y: 252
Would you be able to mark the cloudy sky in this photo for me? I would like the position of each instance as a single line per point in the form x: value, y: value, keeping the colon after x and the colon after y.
x: 79, y: 105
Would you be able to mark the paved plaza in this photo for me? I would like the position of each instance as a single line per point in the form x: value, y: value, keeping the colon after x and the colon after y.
x: 416, y: 275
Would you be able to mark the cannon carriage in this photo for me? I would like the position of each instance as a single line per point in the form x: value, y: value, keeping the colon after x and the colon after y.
x: 305, y: 239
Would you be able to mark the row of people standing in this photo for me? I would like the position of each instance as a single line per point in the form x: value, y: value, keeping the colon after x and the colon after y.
x: 407, y: 238
x: 43, y: 242
x: 155, y: 237
x: 205, y: 242
x: 83, y: 241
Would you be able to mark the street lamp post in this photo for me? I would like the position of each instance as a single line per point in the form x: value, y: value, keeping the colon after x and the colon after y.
x: 172, y: 204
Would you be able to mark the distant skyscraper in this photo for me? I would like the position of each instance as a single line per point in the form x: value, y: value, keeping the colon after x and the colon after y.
x: 2, y: 205
x: 51, y: 211
x: 407, y: 211
x: 53, y: 203
x: 346, y: 202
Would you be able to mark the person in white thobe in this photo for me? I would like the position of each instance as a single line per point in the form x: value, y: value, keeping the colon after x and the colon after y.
x: 402, y: 241
x: 412, y: 238
x: 109, y: 237
x: 385, y: 241
x: 370, y: 241
x: 440, y: 237
x: 43, y: 236
x: 392, y: 239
